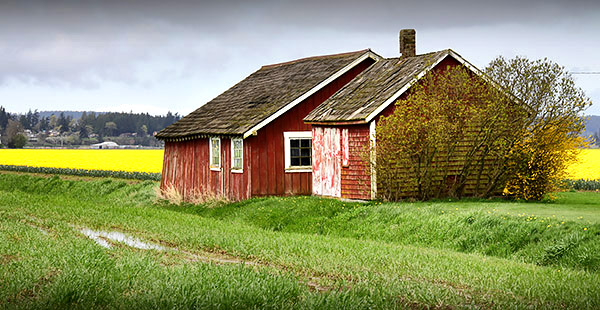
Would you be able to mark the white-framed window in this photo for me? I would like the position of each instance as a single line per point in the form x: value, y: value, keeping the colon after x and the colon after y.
x: 298, y: 151
x: 215, y: 153
x: 237, y: 155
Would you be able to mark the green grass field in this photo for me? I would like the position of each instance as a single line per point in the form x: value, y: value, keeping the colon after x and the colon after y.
x: 290, y: 253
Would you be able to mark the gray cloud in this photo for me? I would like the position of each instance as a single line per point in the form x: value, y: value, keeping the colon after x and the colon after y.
x: 82, y: 43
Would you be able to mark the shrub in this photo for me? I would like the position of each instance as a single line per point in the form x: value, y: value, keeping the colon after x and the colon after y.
x: 453, y: 130
x: 18, y: 141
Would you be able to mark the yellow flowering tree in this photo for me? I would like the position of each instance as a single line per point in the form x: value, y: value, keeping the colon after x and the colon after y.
x: 551, y: 134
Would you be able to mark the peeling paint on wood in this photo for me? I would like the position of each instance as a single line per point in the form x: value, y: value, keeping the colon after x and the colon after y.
x: 326, y: 161
x: 373, y: 152
x: 345, y: 147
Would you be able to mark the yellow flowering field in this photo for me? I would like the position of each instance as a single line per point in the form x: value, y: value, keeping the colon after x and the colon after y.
x: 588, y: 166
x: 151, y: 160
x: 111, y: 160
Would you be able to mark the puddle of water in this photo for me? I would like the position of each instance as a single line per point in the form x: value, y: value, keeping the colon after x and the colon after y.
x: 100, y: 236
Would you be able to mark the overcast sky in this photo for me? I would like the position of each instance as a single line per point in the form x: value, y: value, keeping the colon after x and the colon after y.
x: 159, y: 56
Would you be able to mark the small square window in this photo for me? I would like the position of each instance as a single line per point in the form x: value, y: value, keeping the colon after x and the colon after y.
x: 298, y: 151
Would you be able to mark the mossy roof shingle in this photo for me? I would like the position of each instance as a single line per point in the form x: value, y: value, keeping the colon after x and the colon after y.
x: 372, y: 88
x: 258, y: 96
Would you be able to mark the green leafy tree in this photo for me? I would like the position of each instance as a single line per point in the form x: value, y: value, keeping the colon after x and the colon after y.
x: 453, y: 130
x: 53, y: 122
x: 18, y: 141
x: 13, y: 136
x: 4, y: 117
x: 110, y: 128
x: 64, y: 122
x: 142, y: 131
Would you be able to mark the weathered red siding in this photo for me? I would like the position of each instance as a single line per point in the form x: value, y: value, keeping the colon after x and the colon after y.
x: 356, y: 178
x: 186, y: 167
x: 186, y: 164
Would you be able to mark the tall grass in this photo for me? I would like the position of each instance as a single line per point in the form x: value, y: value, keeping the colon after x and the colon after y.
x: 471, y: 227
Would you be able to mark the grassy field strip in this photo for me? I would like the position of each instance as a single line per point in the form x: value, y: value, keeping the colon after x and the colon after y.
x: 113, y: 238
x: 387, y: 273
x: 564, y: 240
x: 455, y: 289
x: 54, y: 271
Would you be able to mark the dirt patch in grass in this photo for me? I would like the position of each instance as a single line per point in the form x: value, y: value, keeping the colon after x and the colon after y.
x: 30, y: 293
x: 6, y: 259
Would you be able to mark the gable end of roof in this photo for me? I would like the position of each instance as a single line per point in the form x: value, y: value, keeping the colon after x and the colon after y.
x: 263, y: 96
x: 368, y: 54
x: 379, y: 86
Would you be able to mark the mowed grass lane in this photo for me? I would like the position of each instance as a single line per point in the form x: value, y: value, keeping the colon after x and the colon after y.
x: 88, y: 159
x: 45, y: 261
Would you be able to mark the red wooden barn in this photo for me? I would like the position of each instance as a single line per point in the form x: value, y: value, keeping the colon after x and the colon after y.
x: 251, y: 140
x: 295, y: 128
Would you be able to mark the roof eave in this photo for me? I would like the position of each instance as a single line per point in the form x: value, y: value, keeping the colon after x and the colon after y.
x: 196, y: 136
x: 337, y: 123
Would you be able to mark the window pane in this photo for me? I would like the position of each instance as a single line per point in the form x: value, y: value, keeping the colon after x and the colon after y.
x: 216, y: 150
x: 300, y: 152
x: 305, y: 161
x: 237, y: 153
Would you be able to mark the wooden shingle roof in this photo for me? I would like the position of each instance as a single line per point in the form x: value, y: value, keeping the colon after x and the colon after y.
x: 374, y: 89
x: 257, y: 98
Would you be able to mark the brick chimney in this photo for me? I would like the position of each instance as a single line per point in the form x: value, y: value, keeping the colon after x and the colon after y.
x: 408, y: 44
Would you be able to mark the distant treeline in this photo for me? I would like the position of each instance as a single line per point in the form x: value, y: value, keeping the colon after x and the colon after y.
x: 74, y: 114
x: 89, y: 127
x: 141, y: 124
